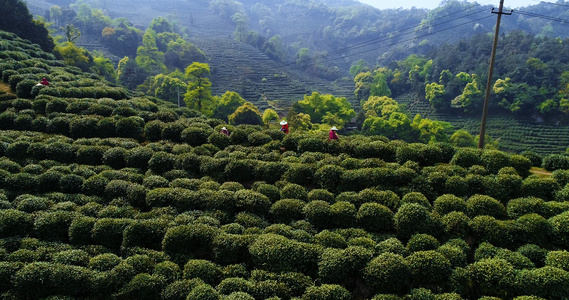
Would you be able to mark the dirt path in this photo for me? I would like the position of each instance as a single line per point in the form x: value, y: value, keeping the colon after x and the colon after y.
x: 540, y: 172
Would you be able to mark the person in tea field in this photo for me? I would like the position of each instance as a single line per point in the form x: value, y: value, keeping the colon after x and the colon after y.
x: 224, y: 131
x: 284, y: 126
x: 44, y: 82
x: 332, y: 134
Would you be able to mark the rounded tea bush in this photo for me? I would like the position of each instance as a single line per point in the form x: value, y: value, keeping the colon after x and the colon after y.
x: 422, y: 242
x: 326, y: 292
x: 479, y: 205
x: 205, y: 270
x: 387, y: 273
x: 375, y: 217
x: 447, y: 203
x: 287, y: 210
x: 429, y: 267
x: 411, y: 219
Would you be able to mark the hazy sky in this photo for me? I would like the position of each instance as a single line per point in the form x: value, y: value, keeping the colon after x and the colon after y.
x: 430, y: 4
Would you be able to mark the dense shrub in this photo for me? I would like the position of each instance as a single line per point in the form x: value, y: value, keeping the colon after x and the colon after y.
x: 531, y: 228
x: 342, y: 214
x: 318, y: 213
x: 109, y: 232
x: 142, y: 286
x: 326, y: 292
x: 492, y: 277
x: 15, y: 223
x: 287, y: 210
x: 375, y: 217
x: 554, y: 162
x: 544, y: 188
x: 547, y: 282
x: 488, y: 229
x: 145, y: 234
x: 413, y: 218
x: 422, y: 242
x: 279, y: 254
x: 194, y: 136
x: 478, y: 205
x: 447, y: 203
x: 104, y: 262
x: 337, y: 266
x: 252, y: 202
x: 41, y: 279
x: 299, y: 173
x: 205, y: 270
x: 53, y: 226
x: 329, y: 176
x: 183, y: 242
x: 560, y: 229
x: 416, y: 197
x: 428, y: 267
x: 456, y: 224
x: 388, y: 273
x: 71, y: 257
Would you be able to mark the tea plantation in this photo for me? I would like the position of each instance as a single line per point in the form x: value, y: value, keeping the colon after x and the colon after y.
x: 105, y: 194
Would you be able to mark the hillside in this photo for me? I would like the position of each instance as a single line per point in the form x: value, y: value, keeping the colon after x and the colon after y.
x: 107, y: 195
x: 337, y: 33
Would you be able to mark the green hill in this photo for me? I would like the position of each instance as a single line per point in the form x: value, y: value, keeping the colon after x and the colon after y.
x: 106, y: 194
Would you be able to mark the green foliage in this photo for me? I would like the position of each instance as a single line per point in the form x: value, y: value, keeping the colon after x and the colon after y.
x: 279, y: 254
x: 326, y: 108
x: 413, y: 218
x: 247, y: 113
x: 198, y: 96
x: 326, y: 292
x: 388, y: 273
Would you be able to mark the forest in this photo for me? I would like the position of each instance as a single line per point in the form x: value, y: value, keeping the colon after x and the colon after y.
x: 111, y: 191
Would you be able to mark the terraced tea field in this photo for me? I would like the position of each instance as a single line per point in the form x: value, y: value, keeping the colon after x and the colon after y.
x: 514, y: 135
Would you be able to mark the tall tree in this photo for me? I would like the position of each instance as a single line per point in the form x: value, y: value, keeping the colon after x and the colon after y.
x: 148, y: 56
x: 72, y: 33
x: 198, y: 95
x: 15, y: 17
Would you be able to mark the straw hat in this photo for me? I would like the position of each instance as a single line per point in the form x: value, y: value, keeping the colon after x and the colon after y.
x: 283, y: 122
x: 334, y: 128
x: 223, y: 128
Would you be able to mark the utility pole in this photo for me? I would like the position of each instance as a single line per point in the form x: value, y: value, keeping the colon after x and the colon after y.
x: 490, y: 71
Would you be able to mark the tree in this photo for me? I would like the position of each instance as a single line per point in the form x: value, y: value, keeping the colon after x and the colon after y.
x: 74, y: 56
x: 148, y: 57
x: 16, y: 18
x: 320, y: 106
x: 363, y: 86
x: 55, y: 14
x: 103, y: 67
x: 198, y: 96
x: 381, y: 107
x: 171, y: 89
x: 471, y: 96
x: 270, y: 115
x: 227, y: 104
x: 159, y: 25
x: 359, y: 67
x: 379, y: 86
x: 246, y: 114
x: 435, y: 92
x: 72, y: 33
x: 129, y: 73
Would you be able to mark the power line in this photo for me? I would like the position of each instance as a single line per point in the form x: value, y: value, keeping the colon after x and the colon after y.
x: 550, y: 18
x: 421, y: 36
